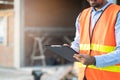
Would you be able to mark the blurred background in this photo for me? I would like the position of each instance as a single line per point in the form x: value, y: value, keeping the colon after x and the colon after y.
x: 26, y: 26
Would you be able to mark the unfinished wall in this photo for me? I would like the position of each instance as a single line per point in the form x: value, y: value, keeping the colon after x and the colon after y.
x: 6, y: 50
x: 57, y: 16
x: 52, y: 13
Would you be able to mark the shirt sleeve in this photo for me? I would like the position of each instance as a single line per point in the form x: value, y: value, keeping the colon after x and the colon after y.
x: 75, y: 43
x: 111, y: 58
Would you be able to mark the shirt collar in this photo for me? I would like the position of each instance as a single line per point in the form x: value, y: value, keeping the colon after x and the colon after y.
x: 103, y: 8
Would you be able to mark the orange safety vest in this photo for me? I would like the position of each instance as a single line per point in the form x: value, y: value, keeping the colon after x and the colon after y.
x: 101, y: 42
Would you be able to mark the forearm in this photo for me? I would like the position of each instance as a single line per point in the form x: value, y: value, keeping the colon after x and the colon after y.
x: 108, y: 59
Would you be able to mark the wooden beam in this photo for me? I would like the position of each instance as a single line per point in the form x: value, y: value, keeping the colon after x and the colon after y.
x: 19, y: 54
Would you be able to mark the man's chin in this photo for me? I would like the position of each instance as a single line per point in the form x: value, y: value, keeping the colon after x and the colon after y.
x: 93, y: 5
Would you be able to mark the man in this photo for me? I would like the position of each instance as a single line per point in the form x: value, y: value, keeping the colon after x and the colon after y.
x: 98, y: 41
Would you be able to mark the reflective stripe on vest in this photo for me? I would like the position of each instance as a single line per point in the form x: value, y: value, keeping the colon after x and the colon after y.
x: 97, y: 47
x: 101, y: 48
x: 108, y: 68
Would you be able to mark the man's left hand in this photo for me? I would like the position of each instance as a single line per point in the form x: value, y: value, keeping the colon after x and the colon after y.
x: 85, y: 59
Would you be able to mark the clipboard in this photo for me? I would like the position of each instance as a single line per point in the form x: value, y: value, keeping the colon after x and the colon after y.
x: 64, y: 51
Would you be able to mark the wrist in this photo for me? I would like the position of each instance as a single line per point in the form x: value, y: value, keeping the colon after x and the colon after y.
x: 93, y: 60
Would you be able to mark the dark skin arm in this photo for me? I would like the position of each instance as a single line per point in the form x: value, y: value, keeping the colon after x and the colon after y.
x: 85, y: 59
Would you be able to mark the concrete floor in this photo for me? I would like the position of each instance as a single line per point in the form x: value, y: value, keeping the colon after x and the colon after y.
x: 13, y: 74
x: 26, y: 73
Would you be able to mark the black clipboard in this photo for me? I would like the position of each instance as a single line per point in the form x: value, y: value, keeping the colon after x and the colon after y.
x: 64, y: 51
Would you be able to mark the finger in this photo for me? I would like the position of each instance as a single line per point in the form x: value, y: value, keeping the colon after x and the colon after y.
x: 76, y: 54
x: 66, y: 45
x: 77, y: 57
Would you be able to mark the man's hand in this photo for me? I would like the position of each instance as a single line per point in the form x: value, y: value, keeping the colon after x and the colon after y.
x: 85, y: 59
